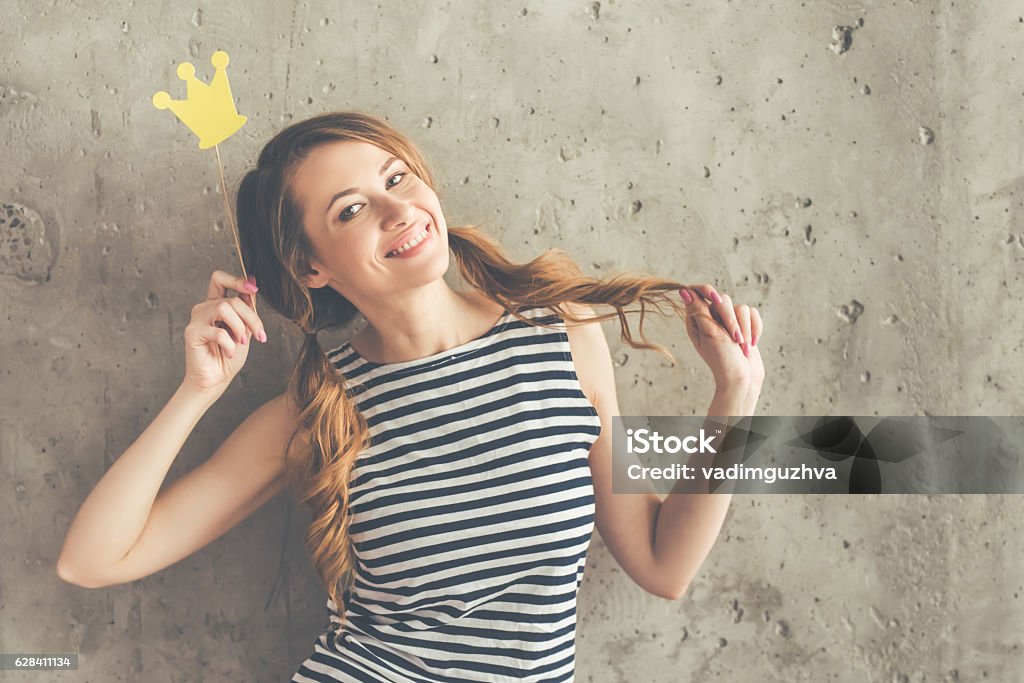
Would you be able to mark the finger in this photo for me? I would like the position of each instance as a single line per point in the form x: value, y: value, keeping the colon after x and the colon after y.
x: 223, y: 340
x: 697, y: 303
x: 698, y: 309
x: 200, y: 335
x: 727, y: 315
x: 225, y: 312
x: 706, y: 292
x: 252, y: 321
x: 743, y: 317
x: 720, y: 311
x: 756, y: 325
x: 700, y: 303
x: 217, y: 288
x: 221, y: 282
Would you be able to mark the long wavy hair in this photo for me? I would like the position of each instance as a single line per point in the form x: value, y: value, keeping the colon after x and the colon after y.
x: 331, y: 432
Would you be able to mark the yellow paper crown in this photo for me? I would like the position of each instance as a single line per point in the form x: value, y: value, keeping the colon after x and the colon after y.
x: 208, y: 110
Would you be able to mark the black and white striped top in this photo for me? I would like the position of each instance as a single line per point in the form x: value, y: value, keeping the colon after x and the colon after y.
x: 471, y: 513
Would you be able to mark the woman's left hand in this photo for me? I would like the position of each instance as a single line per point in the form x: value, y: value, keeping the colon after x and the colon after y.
x: 725, y: 336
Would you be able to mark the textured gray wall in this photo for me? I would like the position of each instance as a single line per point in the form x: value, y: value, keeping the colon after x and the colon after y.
x: 865, y: 194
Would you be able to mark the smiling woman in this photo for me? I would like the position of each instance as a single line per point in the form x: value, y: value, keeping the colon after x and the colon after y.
x: 455, y: 455
x: 448, y: 478
x: 371, y: 246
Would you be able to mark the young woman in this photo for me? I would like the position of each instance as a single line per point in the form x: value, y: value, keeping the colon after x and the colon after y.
x: 454, y: 455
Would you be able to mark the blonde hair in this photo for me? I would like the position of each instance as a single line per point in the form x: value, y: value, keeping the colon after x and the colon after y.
x: 277, y: 252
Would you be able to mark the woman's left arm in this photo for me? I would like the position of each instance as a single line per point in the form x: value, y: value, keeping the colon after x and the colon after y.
x: 661, y: 545
x: 687, y: 524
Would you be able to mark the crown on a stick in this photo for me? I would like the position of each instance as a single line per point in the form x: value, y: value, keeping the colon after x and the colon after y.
x: 208, y: 110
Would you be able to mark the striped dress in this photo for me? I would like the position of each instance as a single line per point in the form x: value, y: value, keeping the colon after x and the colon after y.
x: 471, y: 513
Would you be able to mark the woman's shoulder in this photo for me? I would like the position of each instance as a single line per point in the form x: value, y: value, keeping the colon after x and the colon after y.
x: 588, y: 348
x: 578, y: 310
x: 282, y: 411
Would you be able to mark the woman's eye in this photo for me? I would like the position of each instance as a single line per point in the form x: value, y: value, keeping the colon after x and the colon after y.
x: 347, y: 215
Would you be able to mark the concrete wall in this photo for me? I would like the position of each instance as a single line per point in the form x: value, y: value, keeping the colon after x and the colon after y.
x: 862, y: 188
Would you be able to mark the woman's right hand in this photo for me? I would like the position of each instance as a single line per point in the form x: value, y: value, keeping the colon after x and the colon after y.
x: 217, y: 338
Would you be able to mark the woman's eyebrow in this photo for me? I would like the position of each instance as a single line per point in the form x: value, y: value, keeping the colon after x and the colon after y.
x: 353, y: 189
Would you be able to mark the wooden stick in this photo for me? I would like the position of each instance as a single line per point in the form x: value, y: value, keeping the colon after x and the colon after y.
x: 231, y: 219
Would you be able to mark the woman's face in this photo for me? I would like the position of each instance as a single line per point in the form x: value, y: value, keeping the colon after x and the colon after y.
x: 359, y: 203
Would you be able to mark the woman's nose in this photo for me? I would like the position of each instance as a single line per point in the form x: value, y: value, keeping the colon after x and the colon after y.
x: 401, y: 216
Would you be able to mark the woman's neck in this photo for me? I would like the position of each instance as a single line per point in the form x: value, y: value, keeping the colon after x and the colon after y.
x: 452, y: 319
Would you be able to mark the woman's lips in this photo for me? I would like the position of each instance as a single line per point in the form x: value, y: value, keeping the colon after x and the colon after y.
x: 408, y: 253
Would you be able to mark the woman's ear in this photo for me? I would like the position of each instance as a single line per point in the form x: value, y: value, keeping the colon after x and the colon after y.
x: 312, y: 277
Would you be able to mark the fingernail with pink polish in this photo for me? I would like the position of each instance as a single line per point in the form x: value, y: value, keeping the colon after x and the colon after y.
x: 687, y: 297
x: 714, y: 297
x: 737, y: 336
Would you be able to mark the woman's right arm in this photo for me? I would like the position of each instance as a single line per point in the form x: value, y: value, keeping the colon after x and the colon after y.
x: 122, y: 534
x: 127, y: 527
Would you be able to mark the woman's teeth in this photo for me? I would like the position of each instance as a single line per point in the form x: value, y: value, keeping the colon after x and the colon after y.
x: 411, y: 243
